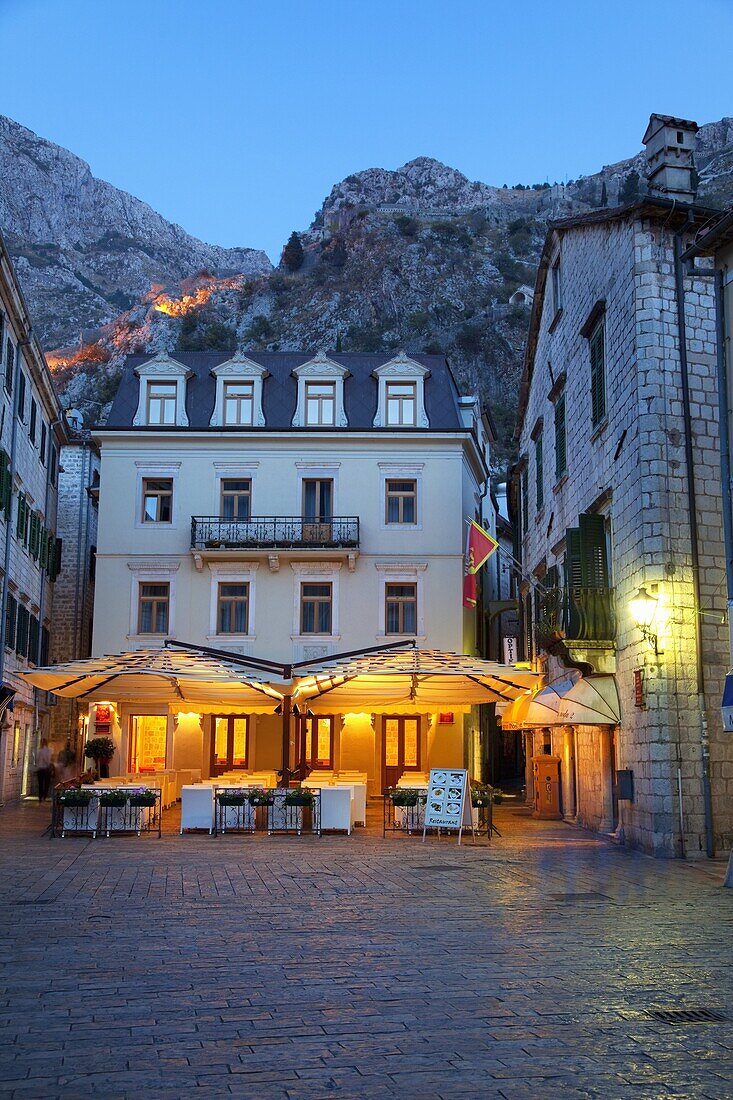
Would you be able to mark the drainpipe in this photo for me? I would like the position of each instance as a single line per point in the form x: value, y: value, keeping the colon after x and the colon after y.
x: 694, y: 555
x: 724, y: 419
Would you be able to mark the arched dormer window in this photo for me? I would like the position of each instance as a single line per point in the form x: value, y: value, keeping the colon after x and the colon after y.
x: 162, y: 398
x: 401, y: 397
x: 238, y: 394
x: 320, y: 394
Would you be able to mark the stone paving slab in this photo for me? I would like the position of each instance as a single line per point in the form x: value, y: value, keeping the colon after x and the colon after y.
x: 358, y: 967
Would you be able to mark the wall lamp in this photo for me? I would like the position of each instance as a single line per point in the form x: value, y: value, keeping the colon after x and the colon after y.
x: 643, y: 608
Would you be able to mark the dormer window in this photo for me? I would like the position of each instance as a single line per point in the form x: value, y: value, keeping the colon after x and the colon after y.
x: 161, y: 405
x: 320, y: 404
x: 320, y: 394
x: 162, y: 399
x: 238, y: 401
x: 401, y: 403
x: 401, y: 394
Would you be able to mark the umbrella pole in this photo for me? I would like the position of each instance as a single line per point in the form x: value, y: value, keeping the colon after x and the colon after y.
x: 285, y: 781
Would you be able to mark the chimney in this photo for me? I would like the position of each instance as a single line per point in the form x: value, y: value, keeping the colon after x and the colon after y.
x: 670, y: 157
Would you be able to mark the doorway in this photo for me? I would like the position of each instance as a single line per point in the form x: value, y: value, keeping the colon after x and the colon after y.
x: 229, y: 742
x: 148, y: 742
x: 317, y: 509
x: 400, y: 748
x: 315, y: 743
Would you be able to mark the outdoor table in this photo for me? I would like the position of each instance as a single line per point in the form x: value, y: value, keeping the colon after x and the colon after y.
x: 197, y: 807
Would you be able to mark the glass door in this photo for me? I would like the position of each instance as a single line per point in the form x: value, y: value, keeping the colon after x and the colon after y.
x: 317, y: 509
x: 400, y: 748
x: 229, y: 742
x: 148, y: 742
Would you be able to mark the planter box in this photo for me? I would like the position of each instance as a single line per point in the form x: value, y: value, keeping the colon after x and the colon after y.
x: 236, y: 817
x: 80, y: 819
x: 121, y: 819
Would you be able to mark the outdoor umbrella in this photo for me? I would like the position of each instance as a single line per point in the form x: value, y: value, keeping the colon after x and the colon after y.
x: 411, y: 679
x: 187, y: 677
x: 581, y: 700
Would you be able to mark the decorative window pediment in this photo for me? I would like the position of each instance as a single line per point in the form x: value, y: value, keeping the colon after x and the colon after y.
x: 401, y: 396
x: 238, y: 393
x: 320, y: 394
x: 162, y: 397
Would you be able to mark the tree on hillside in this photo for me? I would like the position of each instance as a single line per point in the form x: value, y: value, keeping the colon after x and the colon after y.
x: 630, y: 188
x: 293, y: 254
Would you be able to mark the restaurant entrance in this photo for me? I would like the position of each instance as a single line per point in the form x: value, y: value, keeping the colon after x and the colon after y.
x: 229, y: 742
x: 148, y: 742
x: 400, y: 748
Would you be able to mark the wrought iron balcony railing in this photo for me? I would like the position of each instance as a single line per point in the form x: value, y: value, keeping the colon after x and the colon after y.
x: 579, y: 614
x: 274, y: 532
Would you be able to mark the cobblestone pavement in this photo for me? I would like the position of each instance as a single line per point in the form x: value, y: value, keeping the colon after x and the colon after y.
x: 361, y: 967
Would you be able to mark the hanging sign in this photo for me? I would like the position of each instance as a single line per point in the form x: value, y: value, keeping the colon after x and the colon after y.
x: 639, y: 699
x: 511, y: 650
x: 449, y: 801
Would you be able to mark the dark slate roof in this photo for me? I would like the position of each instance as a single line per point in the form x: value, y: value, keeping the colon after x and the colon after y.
x: 280, y: 389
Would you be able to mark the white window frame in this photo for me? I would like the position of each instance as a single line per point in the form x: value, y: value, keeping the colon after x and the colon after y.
x: 152, y: 572
x: 147, y: 471
x: 234, y: 572
x: 162, y: 369
x: 391, y: 572
x: 320, y: 369
x: 390, y: 471
x: 316, y: 573
x: 401, y: 369
x: 239, y: 369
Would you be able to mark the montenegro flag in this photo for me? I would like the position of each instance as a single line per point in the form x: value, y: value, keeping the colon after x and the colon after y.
x: 479, y: 548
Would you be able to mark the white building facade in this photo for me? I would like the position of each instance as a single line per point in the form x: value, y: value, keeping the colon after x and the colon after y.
x: 32, y: 431
x: 288, y: 507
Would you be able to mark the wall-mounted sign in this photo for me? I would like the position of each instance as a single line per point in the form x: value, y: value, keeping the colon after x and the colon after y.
x: 511, y: 650
x: 449, y: 801
x: 639, y: 699
x: 446, y: 719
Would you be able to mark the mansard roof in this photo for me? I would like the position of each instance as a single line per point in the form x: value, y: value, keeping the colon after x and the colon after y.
x: 281, y: 389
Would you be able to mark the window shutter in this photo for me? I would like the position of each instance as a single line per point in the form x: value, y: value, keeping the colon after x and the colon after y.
x: 573, y: 566
x: 43, y: 548
x: 594, y: 555
x: 45, y: 639
x: 560, y: 440
x: 21, y: 528
x: 540, y: 473
x: 525, y: 501
x: 21, y: 637
x: 33, y: 638
x: 597, y: 376
x: 10, y: 619
x: 34, y: 535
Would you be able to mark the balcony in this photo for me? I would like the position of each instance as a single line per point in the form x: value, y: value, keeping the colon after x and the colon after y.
x: 585, y: 615
x: 269, y: 536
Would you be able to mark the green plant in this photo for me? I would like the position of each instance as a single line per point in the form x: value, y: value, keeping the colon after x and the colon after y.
x: 404, y: 796
x: 293, y: 253
x: 74, y: 797
x: 299, y: 797
x: 481, y: 796
x: 113, y: 798
x: 259, y: 796
x: 100, y: 748
x: 143, y: 798
x: 233, y: 798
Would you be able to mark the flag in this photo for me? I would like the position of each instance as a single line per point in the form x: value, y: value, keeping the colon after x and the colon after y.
x: 479, y: 548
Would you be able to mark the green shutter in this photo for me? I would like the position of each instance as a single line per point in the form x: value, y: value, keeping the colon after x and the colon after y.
x: 43, y: 548
x: 21, y: 518
x: 597, y: 375
x: 525, y: 501
x: 561, y: 457
x: 539, y: 473
x: 5, y: 483
x: 10, y: 618
x: 34, y: 630
x: 34, y: 535
x: 594, y: 554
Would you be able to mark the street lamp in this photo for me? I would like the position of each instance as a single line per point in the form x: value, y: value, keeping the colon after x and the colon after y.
x: 643, y: 608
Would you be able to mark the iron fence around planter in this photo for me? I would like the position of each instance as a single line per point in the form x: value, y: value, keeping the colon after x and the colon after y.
x: 233, y: 811
x: 276, y: 532
x: 102, y: 811
x: 404, y: 810
x: 284, y: 817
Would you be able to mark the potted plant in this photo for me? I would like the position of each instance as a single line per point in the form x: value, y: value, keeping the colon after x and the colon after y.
x: 75, y: 814
x: 114, y: 807
x: 405, y: 796
x: 100, y: 750
x: 143, y: 798
x: 261, y: 799
x: 235, y: 809
x: 299, y: 802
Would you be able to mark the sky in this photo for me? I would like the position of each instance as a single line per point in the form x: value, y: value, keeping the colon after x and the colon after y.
x: 234, y: 118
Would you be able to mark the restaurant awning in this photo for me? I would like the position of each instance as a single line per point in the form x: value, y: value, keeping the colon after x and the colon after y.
x: 184, y: 679
x: 409, y: 680
x: 580, y: 700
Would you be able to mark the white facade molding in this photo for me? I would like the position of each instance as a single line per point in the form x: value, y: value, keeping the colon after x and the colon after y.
x: 397, y: 572
x: 232, y: 572
x: 150, y: 470
x: 401, y: 471
x: 401, y: 369
x: 162, y: 368
x: 152, y: 571
x: 239, y: 369
x: 320, y: 369
x: 326, y: 572
x: 401, y: 566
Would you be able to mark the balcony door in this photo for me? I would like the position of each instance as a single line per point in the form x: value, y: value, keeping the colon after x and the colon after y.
x: 400, y: 748
x: 229, y: 742
x: 317, y: 509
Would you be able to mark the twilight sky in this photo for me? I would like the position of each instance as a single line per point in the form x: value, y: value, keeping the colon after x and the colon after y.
x: 235, y: 117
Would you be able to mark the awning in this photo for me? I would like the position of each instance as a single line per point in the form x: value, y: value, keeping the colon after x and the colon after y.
x: 149, y: 676
x: 582, y: 700
x: 411, y: 680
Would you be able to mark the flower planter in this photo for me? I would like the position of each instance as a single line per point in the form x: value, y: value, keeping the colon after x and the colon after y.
x: 235, y: 816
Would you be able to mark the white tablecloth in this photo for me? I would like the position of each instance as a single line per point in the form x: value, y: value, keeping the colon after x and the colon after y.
x: 337, y: 808
x: 197, y: 807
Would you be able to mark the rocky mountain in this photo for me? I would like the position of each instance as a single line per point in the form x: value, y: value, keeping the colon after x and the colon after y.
x: 420, y: 258
x: 84, y: 250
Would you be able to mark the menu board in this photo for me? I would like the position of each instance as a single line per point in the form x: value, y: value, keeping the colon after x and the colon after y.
x: 448, y: 805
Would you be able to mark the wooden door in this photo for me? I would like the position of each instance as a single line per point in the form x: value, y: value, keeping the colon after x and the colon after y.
x: 400, y: 748
x: 229, y: 742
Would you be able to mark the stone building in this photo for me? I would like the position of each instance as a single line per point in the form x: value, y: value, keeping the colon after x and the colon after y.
x: 620, y: 513
x: 73, y: 606
x: 32, y: 431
